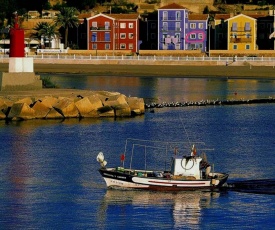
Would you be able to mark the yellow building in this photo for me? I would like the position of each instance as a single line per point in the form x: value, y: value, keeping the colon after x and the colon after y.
x: 241, y: 33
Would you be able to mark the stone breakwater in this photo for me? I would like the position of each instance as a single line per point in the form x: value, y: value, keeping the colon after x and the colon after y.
x: 208, y: 102
x: 95, y: 105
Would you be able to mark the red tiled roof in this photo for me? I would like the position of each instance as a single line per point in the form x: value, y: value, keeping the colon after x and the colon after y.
x: 221, y: 16
x: 172, y: 6
x: 123, y: 16
x: 198, y: 16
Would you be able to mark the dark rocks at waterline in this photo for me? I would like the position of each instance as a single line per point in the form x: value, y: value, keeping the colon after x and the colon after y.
x: 209, y: 102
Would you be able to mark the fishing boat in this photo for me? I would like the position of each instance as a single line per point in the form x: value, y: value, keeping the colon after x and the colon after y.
x: 185, y: 172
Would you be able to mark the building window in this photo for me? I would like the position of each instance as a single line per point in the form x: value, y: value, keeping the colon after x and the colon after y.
x: 131, y: 25
x: 122, y: 25
x: 178, y: 15
x: 247, y: 26
x: 177, y: 25
x: 186, y: 25
x: 165, y: 15
x: 107, y: 37
x: 107, y: 25
x: 192, y: 36
x: 234, y: 26
x: 131, y: 35
x: 247, y: 47
x: 122, y: 36
x: 165, y: 26
x: 200, y: 36
x: 94, y: 37
x: 200, y: 25
x: 94, y: 25
x: 107, y: 46
x: 94, y: 46
x: 123, y: 46
x: 247, y: 35
x: 131, y: 46
x: 235, y: 47
x: 193, y: 25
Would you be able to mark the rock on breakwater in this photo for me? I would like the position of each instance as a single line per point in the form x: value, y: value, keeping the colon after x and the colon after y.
x: 94, y: 105
x: 209, y: 102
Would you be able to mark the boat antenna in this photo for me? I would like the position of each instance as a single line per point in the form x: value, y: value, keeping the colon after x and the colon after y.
x: 185, y: 131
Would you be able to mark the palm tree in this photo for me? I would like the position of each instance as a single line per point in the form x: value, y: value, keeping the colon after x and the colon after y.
x: 67, y: 18
x: 46, y: 30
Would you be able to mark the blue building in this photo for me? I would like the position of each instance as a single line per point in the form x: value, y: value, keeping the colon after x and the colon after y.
x: 179, y: 30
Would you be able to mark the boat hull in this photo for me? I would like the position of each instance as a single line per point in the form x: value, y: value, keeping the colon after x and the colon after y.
x: 115, y: 179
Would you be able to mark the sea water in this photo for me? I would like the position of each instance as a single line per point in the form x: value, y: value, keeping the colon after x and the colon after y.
x: 50, y: 180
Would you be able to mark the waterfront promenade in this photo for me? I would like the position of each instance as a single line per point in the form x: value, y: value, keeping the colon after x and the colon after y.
x: 128, y: 69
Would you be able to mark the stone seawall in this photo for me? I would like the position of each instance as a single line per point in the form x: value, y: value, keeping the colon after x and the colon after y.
x: 89, y: 104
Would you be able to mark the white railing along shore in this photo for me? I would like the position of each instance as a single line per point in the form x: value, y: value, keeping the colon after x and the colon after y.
x: 149, y: 58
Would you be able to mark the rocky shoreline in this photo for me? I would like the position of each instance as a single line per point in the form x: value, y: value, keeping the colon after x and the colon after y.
x: 87, y: 105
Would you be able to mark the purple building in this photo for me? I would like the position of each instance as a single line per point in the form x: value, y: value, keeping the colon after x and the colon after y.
x: 196, y: 33
x: 179, y: 30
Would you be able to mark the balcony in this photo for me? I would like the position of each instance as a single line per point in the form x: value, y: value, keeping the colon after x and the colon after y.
x: 240, y: 29
x: 102, y: 28
x: 240, y: 40
x: 172, y: 29
x: 171, y: 18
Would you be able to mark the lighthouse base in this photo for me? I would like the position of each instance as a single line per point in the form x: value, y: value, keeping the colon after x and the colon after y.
x: 19, y: 81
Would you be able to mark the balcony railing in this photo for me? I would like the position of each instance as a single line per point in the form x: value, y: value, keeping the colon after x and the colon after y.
x: 240, y: 29
x: 171, y: 28
x: 93, y: 28
x: 240, y: 40
x: 171, y: 18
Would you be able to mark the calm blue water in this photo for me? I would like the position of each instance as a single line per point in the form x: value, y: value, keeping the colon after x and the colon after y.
x: 49, y: 177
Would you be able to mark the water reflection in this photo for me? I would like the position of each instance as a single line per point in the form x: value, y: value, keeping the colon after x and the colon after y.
x: 169, y: 89
x: 185, y: 208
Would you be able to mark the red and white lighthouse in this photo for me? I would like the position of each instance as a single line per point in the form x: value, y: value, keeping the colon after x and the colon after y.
x: 17, y: 41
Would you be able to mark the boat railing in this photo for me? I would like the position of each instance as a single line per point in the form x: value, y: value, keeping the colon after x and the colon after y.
x: 164, y: 146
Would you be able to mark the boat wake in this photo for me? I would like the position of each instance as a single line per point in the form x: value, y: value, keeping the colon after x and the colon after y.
x: 262, y: 186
